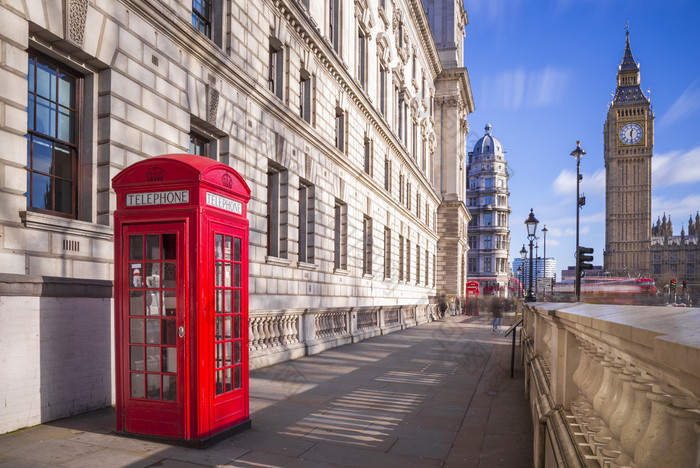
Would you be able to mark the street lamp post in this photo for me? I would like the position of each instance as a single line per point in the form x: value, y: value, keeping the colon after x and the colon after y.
x: 544, y: 254
x: 537, y: 264
x: 523, y: 257
x: 520, y: 289
x: 578, y: 155
x: 531, y: 225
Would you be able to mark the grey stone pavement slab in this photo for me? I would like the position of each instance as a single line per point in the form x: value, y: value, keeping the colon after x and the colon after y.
x: 435, y: 395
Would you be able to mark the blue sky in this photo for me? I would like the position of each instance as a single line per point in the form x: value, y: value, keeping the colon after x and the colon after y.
x: 542, y: 74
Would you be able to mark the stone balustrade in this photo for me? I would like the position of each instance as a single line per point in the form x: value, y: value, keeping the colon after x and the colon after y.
x: 613, y: 386
x: 277, y: 336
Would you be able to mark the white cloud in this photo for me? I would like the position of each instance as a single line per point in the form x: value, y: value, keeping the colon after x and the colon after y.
x: 565, y: 183
x: 678, y: 209
x: 518, y: 88
x: 687, y: 104
x: 676, y: 167
x: 594, y: 184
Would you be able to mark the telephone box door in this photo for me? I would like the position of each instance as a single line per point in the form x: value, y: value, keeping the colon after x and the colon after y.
x: 229, y: 293
x: 153, y: 327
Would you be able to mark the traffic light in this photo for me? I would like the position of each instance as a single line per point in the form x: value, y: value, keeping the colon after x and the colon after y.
x: 583, y: 258
x: 684, y: 285
x: 673, y: 284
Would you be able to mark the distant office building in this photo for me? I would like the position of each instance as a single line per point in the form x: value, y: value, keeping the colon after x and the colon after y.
x: 628, y: 149
x: 487, y: 199
x: 540, y: 269
x: 570, y: 273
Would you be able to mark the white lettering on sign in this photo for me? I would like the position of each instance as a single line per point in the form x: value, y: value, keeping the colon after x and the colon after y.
x: 224, y: 203
x: 158, y: 198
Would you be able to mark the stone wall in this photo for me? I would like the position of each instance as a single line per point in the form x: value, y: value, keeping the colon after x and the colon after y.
x: 613, y: 385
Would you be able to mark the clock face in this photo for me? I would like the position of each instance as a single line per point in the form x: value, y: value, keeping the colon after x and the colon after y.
x: 631, y: 134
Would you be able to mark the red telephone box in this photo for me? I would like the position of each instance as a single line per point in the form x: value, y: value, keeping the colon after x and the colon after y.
x: 181, y: 299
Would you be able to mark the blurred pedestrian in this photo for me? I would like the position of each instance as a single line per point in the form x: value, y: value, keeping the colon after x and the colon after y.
x: 497, y: 311
x: 442, y: 305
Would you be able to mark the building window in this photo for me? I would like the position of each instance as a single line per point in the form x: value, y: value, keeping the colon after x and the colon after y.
x: 368, y: 156
x: 306, y: 222
x: 400, y: 188
x: 340, y: 251
x: 473, y: 243
x: 414, y: 68
x: 54, y: 97
x: 434, y: 270
x: 399, y: 113
x: 408, y: 195
x: 488, y: 219
x: 487, y: 242
x: 199, y: 145
x: 417, y: 264
x: 418, y: 204
x: 471, y: 265
x: 362, y: 58
x: 657, y: 269
x: 387, y: 252
x: 401, y: 266
x: 427, y: 259
x: 334, y: 24
x: 340, y: 129
x: 275, y: 75
x: 487, y: 264
x: 305, y: 95
x: 408, y: 260
x: 201, y: 16
x: 276, y: 207
x: 488, y: 183
x: 387, y: 174
x: 414, y: 142
x: 488, y: 200
x: 367, y: 246
x: 382, y: 89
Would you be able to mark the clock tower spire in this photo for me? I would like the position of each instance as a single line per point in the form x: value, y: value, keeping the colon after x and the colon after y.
x: 628, y: 149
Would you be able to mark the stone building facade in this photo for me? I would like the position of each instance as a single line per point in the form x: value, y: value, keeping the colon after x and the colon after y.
x: 676, y: 257
x: 346, y: 118
x: 628, y: 149
x: 488, y: 202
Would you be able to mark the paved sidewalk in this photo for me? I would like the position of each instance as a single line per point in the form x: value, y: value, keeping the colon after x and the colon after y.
x: 435, y: 395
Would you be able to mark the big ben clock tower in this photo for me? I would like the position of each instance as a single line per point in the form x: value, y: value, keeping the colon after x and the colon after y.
x: 629, y: 145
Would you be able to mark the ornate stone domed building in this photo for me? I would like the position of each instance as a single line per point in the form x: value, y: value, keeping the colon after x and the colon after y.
x: 487, y: 200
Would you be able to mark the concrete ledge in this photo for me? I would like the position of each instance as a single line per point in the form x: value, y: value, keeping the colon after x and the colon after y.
x: 50, y: 286
x: 268, y: 356
x: 317, y: 346
x: 360, y: 335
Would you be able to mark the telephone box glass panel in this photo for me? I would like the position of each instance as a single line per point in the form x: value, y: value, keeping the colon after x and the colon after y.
x: 152, y: 316
x: 227, y: 310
